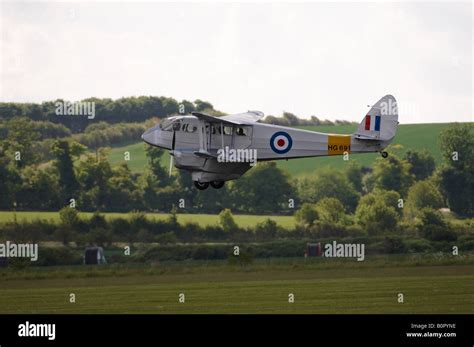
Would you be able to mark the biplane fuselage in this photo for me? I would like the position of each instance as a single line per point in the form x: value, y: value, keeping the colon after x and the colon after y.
x: 218, y: 149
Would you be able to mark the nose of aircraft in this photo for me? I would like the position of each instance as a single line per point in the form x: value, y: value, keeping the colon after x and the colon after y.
x: 151, y: 135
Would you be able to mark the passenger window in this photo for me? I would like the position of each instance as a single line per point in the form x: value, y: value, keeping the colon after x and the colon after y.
x: 216, y: 129
x: 227, y: 130
x: 241, y: 132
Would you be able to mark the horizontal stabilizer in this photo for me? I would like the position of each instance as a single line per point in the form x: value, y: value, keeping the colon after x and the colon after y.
x: 367, y: 137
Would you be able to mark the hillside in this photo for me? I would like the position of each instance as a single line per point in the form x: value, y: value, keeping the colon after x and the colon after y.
x: 410, y: 136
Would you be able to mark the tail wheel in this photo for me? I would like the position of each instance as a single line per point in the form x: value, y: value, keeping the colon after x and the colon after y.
x: 384, y: 154
x: 201, y: 185
x: 217, y: 184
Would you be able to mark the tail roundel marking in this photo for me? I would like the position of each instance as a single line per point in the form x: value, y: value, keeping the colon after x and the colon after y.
x: 369, y: 125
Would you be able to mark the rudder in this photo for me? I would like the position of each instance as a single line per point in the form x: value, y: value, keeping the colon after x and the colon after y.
x: 381, y: 122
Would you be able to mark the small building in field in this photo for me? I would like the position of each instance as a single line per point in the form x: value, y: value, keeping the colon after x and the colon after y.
x: 313, y: 250
x: 94, y: 256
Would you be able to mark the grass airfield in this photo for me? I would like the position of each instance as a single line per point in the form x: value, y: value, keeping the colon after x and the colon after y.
x: 263, y: 287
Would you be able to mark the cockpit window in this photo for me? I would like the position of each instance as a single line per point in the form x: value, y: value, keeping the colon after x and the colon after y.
x: 166, y: 124
x: 176, y: 125
x: 189, y: 128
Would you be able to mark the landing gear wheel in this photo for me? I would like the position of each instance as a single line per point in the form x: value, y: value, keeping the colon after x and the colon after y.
x: 201, y: 185
x: 384, y: 154
x: 217, y: 184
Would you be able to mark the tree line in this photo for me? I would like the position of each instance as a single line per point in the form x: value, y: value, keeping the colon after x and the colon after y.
x: 127, y: 109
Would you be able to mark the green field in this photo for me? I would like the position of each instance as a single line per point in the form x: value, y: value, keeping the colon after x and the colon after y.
x: 410, y: 136
x: 426, y: 289
x: 202, y: 219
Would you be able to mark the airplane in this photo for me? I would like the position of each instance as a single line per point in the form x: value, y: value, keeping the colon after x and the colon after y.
x: 219, y: 149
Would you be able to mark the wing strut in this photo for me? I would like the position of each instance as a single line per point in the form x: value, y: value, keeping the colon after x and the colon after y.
x: 222, y: 135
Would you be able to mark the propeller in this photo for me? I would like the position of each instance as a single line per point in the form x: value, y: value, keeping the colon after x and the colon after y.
x: 173, y: 143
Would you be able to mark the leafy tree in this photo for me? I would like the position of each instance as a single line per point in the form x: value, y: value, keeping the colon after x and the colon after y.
x: 20, y: 139
x: 69, y: 217
x: 354, y: 175
x: 227, y: 222
x: 160, y: 198
x: 173, y: 218
x: 390, y: 174
x: 330, y: 210
x: 167, y: 197
x: 94, y: 175
x: 98, y: 221
x: 10, y: 181
x: 266, y: 230
x: 379, y: 196
x: 459, y: 138
x: 329, y: 183
x: 458, y: 187
x: 434, y: 227
x: 420, y: 195
x: 64, y: 235
x: 376, y: 212
x: 265, y: 189
x: 393, y: 244
x: 307, y: 214
x: 138, y: 222
x: 46, y: 130
x: 103, y: 134
x: 186, y: 188
x: 422, y: 163
x: 69, y: 223
x: 123, y: 187
x: 154, y: 155
x: 203, y: 105
x: 188, y: 106
x: 65, y: 152
x: 211, y: 200
x: 291, y: 118
x: 100, y: 237
x: 457, y: 176
x: 40, y: 189
x: 150, y: 187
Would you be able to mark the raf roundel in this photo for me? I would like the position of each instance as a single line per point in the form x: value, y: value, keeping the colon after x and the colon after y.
x: 281, y: 142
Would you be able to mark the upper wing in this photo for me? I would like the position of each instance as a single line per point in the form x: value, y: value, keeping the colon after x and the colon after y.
x: 212, y: 119
x: 247, y: 118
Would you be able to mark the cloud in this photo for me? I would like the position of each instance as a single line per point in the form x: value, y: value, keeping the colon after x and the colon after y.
x: 323, y: 59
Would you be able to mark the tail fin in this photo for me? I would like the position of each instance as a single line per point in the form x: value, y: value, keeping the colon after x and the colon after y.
x: 381, y: 121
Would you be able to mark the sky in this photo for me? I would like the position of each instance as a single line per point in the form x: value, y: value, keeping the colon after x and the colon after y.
x: 330, y: 60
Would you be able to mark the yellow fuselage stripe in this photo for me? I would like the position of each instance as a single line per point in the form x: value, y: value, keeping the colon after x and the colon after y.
x: 338, y: 144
